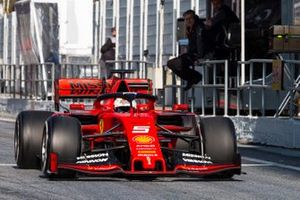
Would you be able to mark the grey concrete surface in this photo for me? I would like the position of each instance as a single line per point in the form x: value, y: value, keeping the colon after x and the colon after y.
x: 282, y: 132
x: 259, y: 181
x: 11, y: 107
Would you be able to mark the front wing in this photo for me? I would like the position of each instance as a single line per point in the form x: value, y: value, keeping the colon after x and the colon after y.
x: 110, y: 168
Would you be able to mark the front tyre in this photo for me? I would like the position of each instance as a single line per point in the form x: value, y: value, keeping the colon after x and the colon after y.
x: 62, y: 136
x: 220, y: 142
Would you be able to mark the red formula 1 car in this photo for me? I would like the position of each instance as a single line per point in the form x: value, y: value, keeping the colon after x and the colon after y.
x: 123, y: 134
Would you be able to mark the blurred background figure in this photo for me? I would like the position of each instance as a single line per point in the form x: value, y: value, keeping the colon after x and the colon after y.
x: 181, y: 65
x: 108, y: 52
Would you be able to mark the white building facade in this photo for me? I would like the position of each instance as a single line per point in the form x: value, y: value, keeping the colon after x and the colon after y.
x: 144, y: 27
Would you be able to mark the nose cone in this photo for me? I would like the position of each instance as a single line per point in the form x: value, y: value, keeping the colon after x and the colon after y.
x: 144, y: 144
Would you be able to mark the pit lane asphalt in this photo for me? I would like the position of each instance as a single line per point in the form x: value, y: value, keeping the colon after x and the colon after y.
x: 266, y: 178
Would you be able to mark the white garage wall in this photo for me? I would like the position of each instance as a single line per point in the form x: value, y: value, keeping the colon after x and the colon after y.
x: 76, y: 27
x: 141, y: 32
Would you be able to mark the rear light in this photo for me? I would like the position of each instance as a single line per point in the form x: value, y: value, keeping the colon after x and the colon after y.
x: 77, y: 106
x: 181, y: 107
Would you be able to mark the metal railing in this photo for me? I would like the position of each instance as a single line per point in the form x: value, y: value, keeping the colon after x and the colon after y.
x: 37, y: 81
x: 27, y: 81
x: 211, y: 96
x: 249, y: 85
x: 294, y: 87
x: 255, y: 94
x: 143, y: 69
x: 264, y: 85
x: 214, y: 83
x: 71, y: 70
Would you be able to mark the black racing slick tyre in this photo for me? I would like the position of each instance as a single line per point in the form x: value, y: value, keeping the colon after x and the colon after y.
x: 62, y: 136
x: 220, y: 144
x: 28, y: 138
x: 219, y: 139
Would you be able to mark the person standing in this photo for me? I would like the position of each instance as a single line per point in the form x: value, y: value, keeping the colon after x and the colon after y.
x: 108, y: 52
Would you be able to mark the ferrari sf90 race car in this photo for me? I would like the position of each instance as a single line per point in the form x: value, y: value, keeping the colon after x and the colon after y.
x: 123, y: 134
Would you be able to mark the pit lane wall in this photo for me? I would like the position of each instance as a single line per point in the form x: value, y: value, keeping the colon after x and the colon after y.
x: 282, y: 132
x: 9, y: 108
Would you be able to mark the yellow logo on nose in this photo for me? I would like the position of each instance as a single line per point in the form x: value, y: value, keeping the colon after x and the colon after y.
x: 144, y: 139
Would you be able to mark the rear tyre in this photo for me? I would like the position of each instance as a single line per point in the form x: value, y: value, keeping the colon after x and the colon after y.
x: 28, y: 138
x: 220, y: 142
x: 62, y: 135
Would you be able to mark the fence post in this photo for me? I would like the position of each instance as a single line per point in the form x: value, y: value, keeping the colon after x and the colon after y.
x: 21, y: 76
x: 293, y: 86
x: 203, y: 91
x: 226, y: 89
x: 14, y: 81
x: 250, y: 88
x: 238, y: 84
x: 263, y: 90
x: 214, y: 89
x: 52, y: 80
x: 11, y: 71
x: 164, y: 84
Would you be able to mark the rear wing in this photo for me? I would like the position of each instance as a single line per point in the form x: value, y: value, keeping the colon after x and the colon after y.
x: 77, y: 88
x: 140, y: 85
x: 91, y: 88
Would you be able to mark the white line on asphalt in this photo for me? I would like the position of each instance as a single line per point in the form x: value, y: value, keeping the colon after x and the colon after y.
x: 257, y: 165
x: 273, y: 163
x: 7, y: 165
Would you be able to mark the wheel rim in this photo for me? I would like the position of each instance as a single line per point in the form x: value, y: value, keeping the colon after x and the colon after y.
x: 16, y: 141
x: 44, y: 150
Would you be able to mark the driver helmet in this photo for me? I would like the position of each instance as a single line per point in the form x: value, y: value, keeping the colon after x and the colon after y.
x: 123, y: 105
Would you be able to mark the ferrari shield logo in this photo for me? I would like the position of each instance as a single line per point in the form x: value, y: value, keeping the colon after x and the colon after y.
x: 101, y: 126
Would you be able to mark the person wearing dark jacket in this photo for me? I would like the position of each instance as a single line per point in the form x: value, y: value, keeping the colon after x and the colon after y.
x: 181, y: 64
x: 203, y: 39
x: 214, y: 32
x: 108, y: 53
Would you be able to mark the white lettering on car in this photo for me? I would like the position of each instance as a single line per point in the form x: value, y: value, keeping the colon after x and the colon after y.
x: 85, y: 157
x: 189, y: 155
x: 197, y: 161
x: 92, y: 161
x: 141, y: 129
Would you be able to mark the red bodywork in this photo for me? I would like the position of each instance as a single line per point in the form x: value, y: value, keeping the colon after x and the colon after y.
x: 136, y: 132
